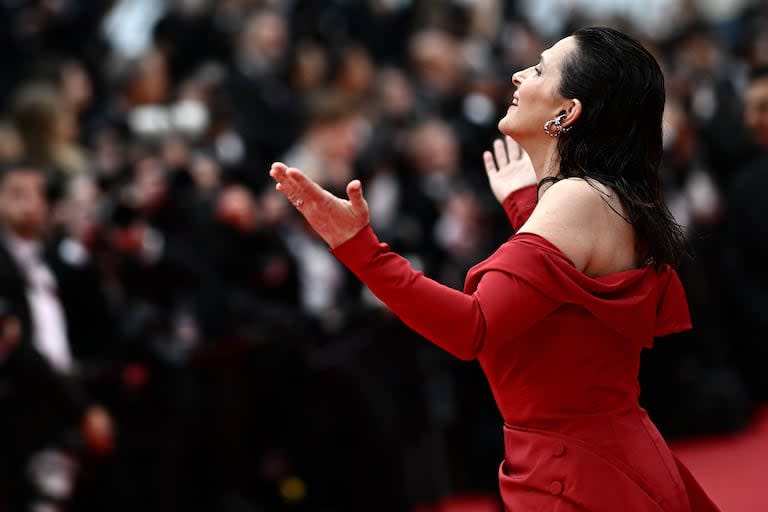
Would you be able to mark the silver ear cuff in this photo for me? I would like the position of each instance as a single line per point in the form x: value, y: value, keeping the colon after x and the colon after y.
x: 553, y: 128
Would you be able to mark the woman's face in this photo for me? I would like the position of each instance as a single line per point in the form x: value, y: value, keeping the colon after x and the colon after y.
x: 536, y: 99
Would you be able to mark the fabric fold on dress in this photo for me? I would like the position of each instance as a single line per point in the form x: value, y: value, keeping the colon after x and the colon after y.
x: 617, y: 300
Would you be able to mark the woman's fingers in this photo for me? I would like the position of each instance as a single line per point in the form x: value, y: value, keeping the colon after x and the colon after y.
x: 490, y: 165
x: 505, y: 152
x: 514, y: 150
x: 355, y: 194
x: 277, y: 171
x: 294, y: 184
x: 500, y: 152
x: 305, y: 186
x: 284, y: 184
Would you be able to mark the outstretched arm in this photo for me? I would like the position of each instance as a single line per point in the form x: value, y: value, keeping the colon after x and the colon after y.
x: 458, y: 322
x: 512, y: 179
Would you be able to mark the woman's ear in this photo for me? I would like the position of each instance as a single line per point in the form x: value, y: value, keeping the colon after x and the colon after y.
x: 572, y: 114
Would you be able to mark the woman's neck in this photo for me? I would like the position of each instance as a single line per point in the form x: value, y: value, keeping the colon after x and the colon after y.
x: 545, y: 159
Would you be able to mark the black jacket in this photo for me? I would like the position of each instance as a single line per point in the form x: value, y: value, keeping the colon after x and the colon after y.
x: 36, y: 402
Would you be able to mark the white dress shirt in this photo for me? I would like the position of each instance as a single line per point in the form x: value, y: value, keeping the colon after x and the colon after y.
x: 49, y: 328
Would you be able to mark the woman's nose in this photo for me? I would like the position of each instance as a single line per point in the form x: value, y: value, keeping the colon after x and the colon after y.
x: 518, y: 78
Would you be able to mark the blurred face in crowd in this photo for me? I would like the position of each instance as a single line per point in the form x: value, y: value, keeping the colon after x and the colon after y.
x: 236, y: 207
x: 356, y: 74
x: 151, y: 83
x: 311, y: 66
x: 756, y: 110
x: 23, y: 203
x: 338, y: 140
x: 436, y: 58
x: 150, y: 188
x: 536, y: 99
x: 394, y: 93
x: 76, y: 85
x: 433, y: 147
x: 80, y: 209
x: 264, y: 37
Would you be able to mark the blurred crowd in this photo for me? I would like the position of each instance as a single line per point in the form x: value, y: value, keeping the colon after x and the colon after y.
x: 174, y: 337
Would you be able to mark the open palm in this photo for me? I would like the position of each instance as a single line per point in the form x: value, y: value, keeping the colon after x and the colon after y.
x: 509, y: 168
x: 334, y: 219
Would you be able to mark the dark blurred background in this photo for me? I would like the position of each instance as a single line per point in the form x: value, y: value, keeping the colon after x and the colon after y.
x: 174, y: 337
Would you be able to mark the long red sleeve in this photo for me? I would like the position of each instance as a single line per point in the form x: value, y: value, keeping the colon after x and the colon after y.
x: 519, y: 204
x: 458, y: 322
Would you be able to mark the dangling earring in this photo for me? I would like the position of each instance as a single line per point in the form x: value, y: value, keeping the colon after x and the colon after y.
x: 553, y: 128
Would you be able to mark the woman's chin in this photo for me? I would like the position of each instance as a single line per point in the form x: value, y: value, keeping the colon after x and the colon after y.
x: 505, y: 126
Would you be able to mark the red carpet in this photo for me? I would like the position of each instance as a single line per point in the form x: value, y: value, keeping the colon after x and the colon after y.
x: 731, y: 468
x: 464, y: 503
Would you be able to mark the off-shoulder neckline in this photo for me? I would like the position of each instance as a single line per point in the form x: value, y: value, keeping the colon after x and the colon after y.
x: 547, y: 245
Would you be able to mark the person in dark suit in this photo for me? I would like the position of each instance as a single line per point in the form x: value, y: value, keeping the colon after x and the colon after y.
x: 746, y: 245
x: 47, y: 414
x: 258, y: 86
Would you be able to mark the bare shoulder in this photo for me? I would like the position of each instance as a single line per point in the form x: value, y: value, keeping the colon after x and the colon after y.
x: 571, y: 202
x: 573, y: 192
x: 569, y: 216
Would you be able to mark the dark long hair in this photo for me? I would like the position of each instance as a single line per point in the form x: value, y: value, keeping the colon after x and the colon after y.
x: 617, y: 138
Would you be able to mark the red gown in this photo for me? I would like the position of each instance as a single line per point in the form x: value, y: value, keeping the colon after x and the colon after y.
x: 561, y: 352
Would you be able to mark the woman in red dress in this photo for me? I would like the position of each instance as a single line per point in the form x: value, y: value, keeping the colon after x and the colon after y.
x: 558, y: 315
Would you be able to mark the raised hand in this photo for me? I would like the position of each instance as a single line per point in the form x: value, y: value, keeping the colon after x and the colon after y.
x: 509, y: 168
x: 336, y: 220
